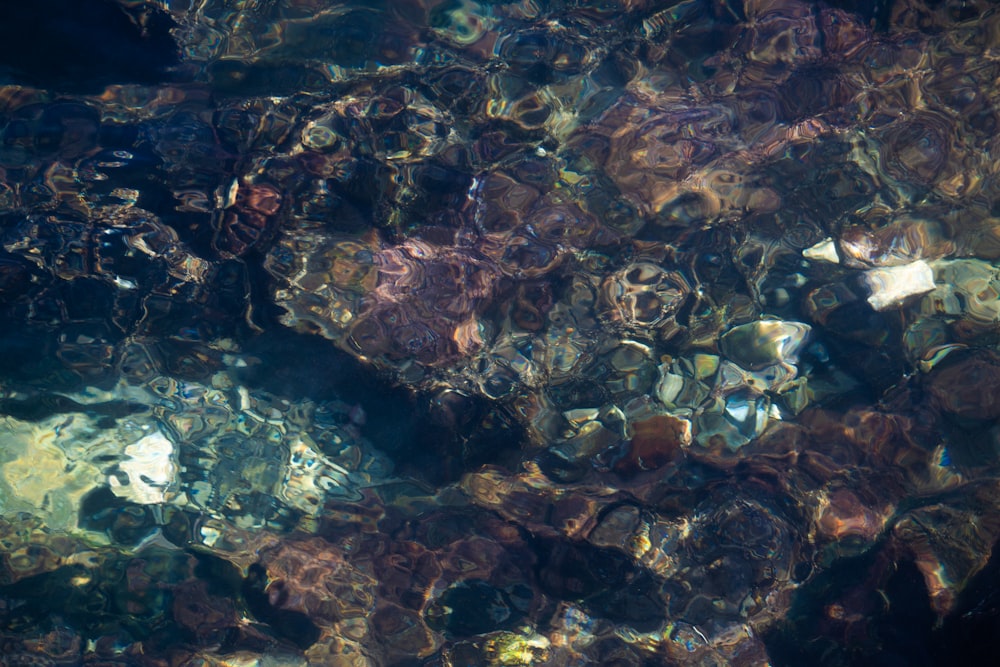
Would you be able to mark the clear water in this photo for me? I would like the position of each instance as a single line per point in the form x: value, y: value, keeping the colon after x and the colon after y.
x: 496, y: 333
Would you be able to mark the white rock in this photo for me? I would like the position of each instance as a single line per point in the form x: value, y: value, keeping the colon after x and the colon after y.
x: 824, y: 251
x: 150, y: 469
x: 891, y: 285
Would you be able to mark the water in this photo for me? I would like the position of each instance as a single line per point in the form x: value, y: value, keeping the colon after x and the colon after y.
x: 498, y: 333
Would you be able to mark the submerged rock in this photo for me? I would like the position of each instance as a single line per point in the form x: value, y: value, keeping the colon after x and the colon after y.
x: 891, y: 286
x: 699, y: 301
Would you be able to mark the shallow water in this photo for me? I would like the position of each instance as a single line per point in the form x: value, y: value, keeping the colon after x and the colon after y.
x: 499, y: 333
